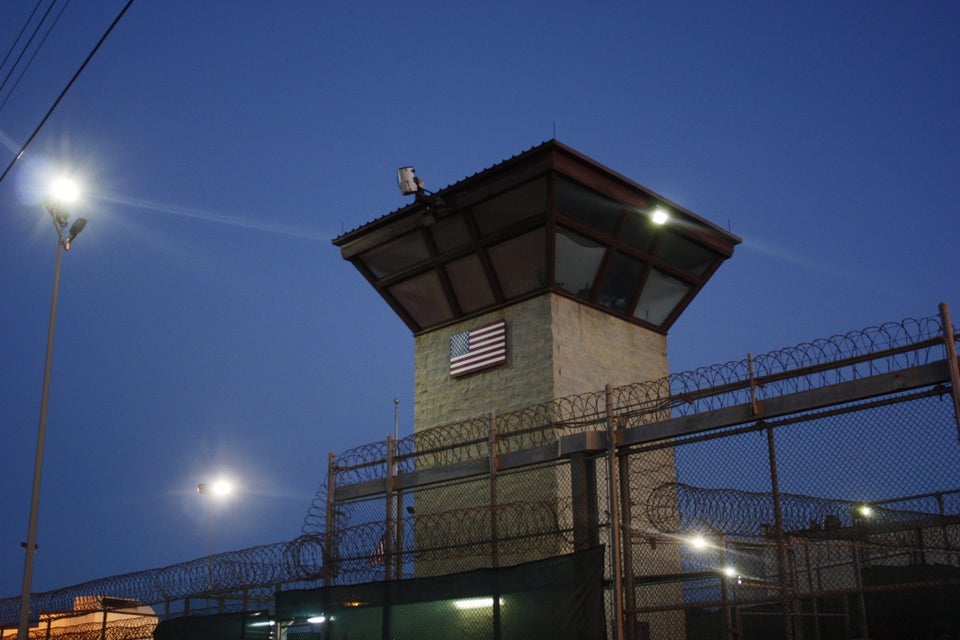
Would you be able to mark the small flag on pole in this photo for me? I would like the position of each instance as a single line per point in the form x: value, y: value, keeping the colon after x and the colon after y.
x: 379, y: 557
x: 478, y: 349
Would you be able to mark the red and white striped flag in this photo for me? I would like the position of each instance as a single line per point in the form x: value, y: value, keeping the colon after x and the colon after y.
x: 478, y: 349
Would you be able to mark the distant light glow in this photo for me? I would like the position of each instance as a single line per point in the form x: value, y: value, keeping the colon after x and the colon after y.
x: 64, y: 190
x: 221, y: 487
x: 660, y: 215
x: 698, y: 542
x: 475, y: 603
x: 217, y: 488
x: 317, y: 619
x: 865, y: 510
x: 729, y: 572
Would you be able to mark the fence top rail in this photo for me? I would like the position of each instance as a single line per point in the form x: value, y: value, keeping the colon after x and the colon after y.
x: 810, y: 365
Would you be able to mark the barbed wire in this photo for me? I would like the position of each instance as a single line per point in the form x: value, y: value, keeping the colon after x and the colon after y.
x: 675, y: 508
x: 122, y: 629
x: 533, y: 528
x: 224, y: 573
x: 888, y: 347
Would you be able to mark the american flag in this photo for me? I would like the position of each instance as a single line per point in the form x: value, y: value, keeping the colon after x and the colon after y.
x: 478, y: 349
x: 379, y: 557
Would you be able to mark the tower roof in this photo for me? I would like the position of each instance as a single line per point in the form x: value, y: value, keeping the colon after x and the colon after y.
x: 548, y: 219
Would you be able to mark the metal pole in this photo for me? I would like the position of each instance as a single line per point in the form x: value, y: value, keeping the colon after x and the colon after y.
x: 626, y: 513
x: 213, y: 506
x: 388, y: 528
x: 951, y: 345
x: 781, y: 544
x: 396, y: 418
x: 614, y: 507
x: 398, y: 543
x: 494, y: 467
x: 329, y: 556
x: 728, y: 633
x: 31, y: 544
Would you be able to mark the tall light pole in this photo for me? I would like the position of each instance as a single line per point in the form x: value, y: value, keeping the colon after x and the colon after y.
x: 63, y: 192
x: 216, y: 490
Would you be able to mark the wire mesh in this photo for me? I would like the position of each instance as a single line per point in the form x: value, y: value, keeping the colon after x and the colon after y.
x: 765, y: 528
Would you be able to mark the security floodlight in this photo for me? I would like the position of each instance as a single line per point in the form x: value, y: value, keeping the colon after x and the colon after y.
x: 408, y: 181
x: 64, y: 190
x: 660, y: 215
x: 75, y: 230
x: 699, y: 542
x: 218, y: 488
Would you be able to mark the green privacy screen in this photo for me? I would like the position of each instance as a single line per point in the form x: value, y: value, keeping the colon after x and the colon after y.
x: 229, y: 626
x: 557, y: 598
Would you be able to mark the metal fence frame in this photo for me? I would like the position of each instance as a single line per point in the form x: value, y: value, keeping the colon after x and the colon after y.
x: 362, y: 525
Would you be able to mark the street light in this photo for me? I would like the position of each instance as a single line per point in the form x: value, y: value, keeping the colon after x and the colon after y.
x: 216, y: 489
x: 62, y: 192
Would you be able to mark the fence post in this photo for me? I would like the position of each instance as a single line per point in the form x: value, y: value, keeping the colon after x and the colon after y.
x: 398, y: 542
x: 951, y: 345
x: 493, y: 467
x: 328, y: 551
x: 781, y: 543
x: 391, y: 504
x: 754, y: 405
x: 614, y: 506
x: 626, y: 513
x: 494, y: 528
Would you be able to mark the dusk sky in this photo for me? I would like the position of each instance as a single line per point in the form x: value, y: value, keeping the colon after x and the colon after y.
x: 208, y: 326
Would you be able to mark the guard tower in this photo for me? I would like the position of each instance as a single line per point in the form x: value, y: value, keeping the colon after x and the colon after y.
x: 587, y: 269
x: 544, y: 276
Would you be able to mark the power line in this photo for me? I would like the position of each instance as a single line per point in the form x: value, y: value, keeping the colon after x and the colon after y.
x: 65, y: 90
x: 13, y: 46
x: 33, y: 56
x: 26, y: 46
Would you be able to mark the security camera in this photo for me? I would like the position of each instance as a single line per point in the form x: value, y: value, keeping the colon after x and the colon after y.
x: 408, y: 181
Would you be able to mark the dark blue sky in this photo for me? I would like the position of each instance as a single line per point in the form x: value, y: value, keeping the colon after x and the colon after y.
x: 207, y: 324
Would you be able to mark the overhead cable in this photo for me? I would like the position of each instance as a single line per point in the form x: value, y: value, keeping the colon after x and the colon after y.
x: 65, y: 90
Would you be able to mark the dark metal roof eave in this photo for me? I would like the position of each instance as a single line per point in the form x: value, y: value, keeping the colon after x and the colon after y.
x: 416, y: 206
x: 344, y: 240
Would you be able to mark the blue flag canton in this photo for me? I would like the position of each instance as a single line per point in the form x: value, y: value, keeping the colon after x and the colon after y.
x: 459, y: 344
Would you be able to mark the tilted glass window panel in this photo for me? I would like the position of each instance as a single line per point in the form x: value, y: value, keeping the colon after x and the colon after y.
x: 621, y: 280
x: 588, y: 207
x: 520, y: 263
x: 578, y: 260
x: 684, y: 254
x: 423, y: 298
x: 661, y: 294
x: 638, y: 231
x: 396, y: 255
x: 518, y: 204
x: 450, y: 233
x: 470, y: 283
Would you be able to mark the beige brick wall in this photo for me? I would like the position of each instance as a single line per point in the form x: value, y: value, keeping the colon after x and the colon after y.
x: 555, y: 347
x: 592, y: 349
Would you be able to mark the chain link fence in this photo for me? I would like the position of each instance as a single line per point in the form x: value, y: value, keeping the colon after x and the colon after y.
x: 812, y: 492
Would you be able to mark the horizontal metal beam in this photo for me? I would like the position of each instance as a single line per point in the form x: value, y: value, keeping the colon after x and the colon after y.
x: 594, y: 442
x: 852, y: 391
